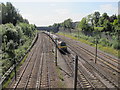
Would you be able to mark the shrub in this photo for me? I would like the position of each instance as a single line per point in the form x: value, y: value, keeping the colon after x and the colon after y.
x: 91, y: 39
x: 104, y: 42
x: 116, y: 45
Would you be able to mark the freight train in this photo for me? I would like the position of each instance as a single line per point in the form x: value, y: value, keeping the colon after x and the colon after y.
x: 60, y: 44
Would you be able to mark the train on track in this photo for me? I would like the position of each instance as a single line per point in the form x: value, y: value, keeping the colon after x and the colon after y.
x: 60, y: 44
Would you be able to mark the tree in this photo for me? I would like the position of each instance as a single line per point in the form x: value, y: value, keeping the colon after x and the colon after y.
x: 3, y: 13
x: 118, y: 19
x: 84, y: 26
x: 10, y: 49
x: 67, y: 24
x: 105, y: 16
x: 107, y: 26
x: 112, y: 18
x: 4, y: 43
x: 101, y: 21
x: 26, y: 21
x: 56, y: 27
x: 96, y: 17
x: 115, y: 22
x: 10, y: 14
x: 12, y: 34
x: 20, y: 33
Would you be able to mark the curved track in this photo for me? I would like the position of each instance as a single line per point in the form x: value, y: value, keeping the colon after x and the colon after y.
x: 38, y: 71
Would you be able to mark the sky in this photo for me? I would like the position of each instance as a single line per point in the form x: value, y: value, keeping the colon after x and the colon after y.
x: 45, y: 13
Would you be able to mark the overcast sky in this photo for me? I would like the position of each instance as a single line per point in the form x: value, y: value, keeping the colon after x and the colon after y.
x: 47, y: 13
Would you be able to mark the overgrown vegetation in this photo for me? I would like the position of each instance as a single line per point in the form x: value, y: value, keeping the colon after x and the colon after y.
x: 13, y: 73
x: 11, y: 15
x: 17, y: 35
x: 90, y: 42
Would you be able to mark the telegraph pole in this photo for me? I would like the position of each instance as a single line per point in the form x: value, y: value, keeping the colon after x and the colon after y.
x: 96, y: 51
x: 56, y: 52
x: 75, y: 73
x: 15, y: 70
x: 78, y: 34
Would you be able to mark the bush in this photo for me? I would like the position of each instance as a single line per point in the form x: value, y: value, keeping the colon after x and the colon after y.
x: 104, y: 42
x: 15, y: 41
x: 116, y: 45
x: 91, y: 39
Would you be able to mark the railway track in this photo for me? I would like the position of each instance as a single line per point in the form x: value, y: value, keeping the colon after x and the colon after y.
x: 25, y: 75
x: 48, y: 75
x: 38, y: 70
x: 85, y: 82
x: 110, y: 66
x: 45, y: 76
x: 111, y: 62
x: 32, y: 80
x: 86, y: 79
x: 97, y: 70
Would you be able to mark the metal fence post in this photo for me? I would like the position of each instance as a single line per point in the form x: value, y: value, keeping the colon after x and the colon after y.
x: 75, y: 73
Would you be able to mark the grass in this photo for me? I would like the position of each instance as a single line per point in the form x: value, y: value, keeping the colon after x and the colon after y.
x: 60, y: 75
x: 106, y: 49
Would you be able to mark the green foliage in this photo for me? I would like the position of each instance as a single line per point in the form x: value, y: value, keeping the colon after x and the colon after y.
x: 107, y: 26
x: 10, y: 45
x: 99, y: 28
x: 104, y: 26
x: 115, y: 22
x: 104, y: 42
x: 68, y: 23
x: 84, y: 26
x: 27, y: 29
x: 15, y: 41
x: 17, y: 35
x: 11, y: 15
x: 101, y: 21
x: 96, y: 18
x: 90, y: 42
x: 116, y: 45
x: 105, y: 16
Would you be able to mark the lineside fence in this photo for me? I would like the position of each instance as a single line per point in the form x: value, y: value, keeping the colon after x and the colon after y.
x: 6, y: 76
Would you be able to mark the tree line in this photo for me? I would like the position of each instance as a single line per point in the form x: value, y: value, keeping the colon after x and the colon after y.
x: 102, y: 22
x: 10, y: 14
x: 92, y: 22
x: 17, y: 35
x: 103, y: 26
